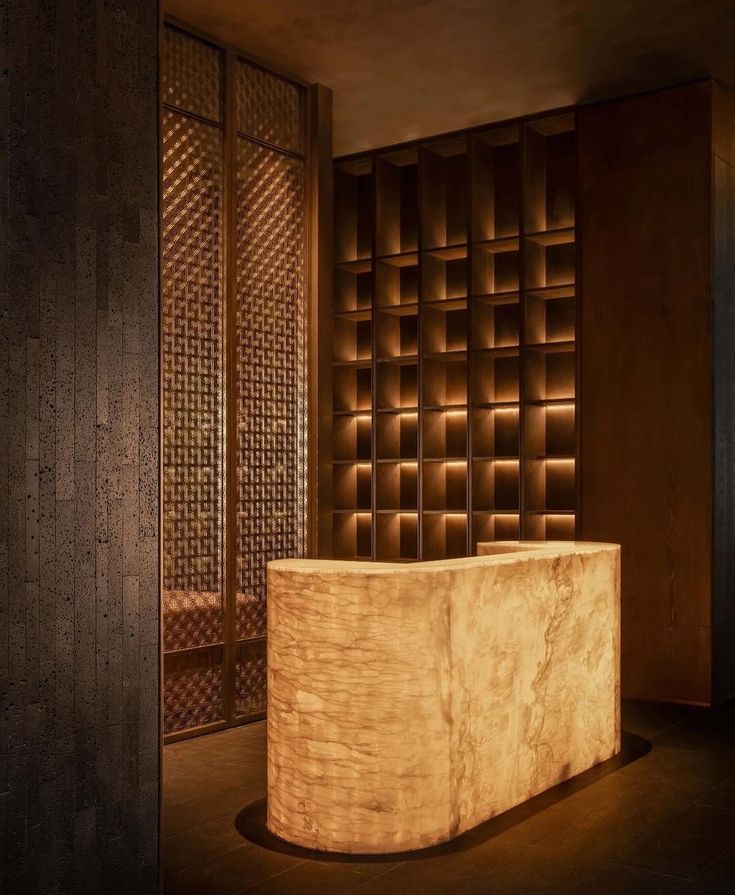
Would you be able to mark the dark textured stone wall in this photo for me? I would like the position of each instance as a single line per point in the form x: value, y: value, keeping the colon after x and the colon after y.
x: 79, y: 429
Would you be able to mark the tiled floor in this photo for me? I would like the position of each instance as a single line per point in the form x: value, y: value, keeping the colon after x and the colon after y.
x: 661, y: 824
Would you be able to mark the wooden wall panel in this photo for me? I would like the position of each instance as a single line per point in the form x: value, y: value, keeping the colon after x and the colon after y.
x: 723, y: 349
x: 79, y: 423
x: 646, y: 377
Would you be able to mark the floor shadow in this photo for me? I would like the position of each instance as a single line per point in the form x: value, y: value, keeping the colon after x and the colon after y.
x: 250, y: 822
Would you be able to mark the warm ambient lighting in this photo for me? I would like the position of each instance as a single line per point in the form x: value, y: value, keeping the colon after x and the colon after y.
x: 392, y: 724
x: 565, y: 406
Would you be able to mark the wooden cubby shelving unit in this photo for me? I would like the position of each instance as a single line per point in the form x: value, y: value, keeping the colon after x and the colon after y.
x: 455, y: 368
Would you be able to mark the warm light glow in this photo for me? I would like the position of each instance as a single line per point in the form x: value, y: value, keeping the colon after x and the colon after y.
x: 407, y: 658
x: 566, y: 406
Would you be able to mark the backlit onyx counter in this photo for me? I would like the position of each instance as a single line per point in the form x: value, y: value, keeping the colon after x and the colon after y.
x: 410, y: 702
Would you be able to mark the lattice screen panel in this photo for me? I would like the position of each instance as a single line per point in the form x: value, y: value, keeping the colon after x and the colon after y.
x: 214, y: 647
x: 269, y: 370
x: 192, y: 247
x: 192, y: 75
x: 269, y: 108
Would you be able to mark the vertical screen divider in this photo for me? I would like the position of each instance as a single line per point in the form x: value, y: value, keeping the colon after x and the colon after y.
x: 420, y: 357
x: 578, y: 289
x: 373, y: 361
x: 230, y: 416
x: 469, y: 447
x: 522, y: 254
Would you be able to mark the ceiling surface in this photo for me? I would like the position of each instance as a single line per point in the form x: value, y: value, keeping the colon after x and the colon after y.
x: 402, y: 69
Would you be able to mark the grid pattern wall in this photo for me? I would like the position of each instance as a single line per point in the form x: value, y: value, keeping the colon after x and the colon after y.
x: 214, y: 620
x: 454, y: 351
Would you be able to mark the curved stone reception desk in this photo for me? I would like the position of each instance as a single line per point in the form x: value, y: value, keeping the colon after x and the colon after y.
x: 408, y: 703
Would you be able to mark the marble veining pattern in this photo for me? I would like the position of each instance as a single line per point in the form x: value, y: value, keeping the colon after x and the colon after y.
x: 408, y: 703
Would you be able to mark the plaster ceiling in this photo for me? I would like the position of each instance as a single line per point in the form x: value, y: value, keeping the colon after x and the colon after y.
x: 402, y: 69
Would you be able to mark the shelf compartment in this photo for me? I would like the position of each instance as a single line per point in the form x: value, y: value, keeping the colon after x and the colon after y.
x: 352, y: 484
x: 396, y: 537
x: 496, y: 184
x: 496, y: 485
x: 495, y: 266
x: 353, y: 286
x: 550, y: 259
x: 396, y: 202
x: 495, y: 527
x: 353, y: 387
x: 550, y: 372
x: 551, y: 315
x: 352, y: 437
x: 550, y: 430
x: 496, y: 432
x: 444, y: 326
x: 444, y: 193
x: 397, y: 435
x: 396, y: 331
x: 352, y: 535
x: 397, y: 280
x: 549, y: 526
x: 550, y: 486
x: 397, y: 383
x: 445, y: 380
x: 353, y: 210
x: 353, y: 336
x: 445, y: 274
x: 445, y: 485
x: 496, y: 376
x: 444, y: 535
x: 496, y: 324
x: 550, y: 173
x: 445, y: 434
x: 397, y: 485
